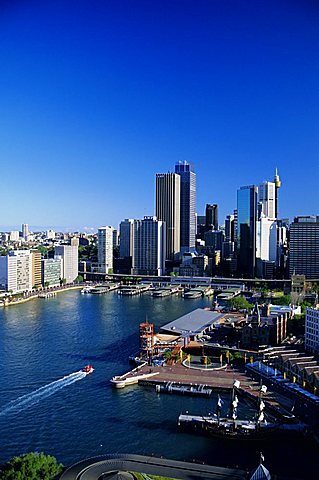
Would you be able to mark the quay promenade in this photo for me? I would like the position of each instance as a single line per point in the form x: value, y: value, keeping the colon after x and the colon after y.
x: 218, y: 380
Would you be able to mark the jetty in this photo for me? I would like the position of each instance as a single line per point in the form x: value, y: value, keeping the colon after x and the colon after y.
x: 131, y: 290
x: 198, y: 292
x: 133, y: 377
x: 166, y: 291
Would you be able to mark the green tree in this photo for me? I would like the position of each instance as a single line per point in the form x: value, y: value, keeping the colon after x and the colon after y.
x: 79, y: 279
x: 31, y: 466
x: 284, y: 300
x: 240, y: 303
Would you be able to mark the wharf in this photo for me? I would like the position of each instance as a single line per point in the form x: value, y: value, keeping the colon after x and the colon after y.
x: 216, y: 380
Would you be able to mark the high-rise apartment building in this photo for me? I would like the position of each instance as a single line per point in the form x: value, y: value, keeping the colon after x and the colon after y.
x: 304, y: 247
x: 105, y: 249
x: 149, y: 247
x: 168, y: 207
x: 211, y: 214
x: 246, y: 230
x: 8, y: 273
x: 16, y: 271
x: 267, y: 199
x: 25, y: 231
x: 187, y: 205
x: 36, y: 269
x: 69, y: 256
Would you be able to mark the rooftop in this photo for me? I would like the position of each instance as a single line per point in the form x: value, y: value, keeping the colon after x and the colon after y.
x: 194, y: 322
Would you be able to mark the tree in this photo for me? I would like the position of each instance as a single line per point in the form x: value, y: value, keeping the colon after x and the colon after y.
x: 239, y: 303
x: 283, y: 301
x: 31, y: 466
x: 79, y: 279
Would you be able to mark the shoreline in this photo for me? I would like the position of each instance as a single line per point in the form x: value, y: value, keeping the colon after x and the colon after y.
x: 32, y: 297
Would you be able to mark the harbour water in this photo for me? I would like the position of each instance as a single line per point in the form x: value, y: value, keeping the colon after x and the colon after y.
x: 44, y: 341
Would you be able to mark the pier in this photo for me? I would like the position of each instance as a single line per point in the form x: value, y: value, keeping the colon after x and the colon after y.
x: 131, y: 290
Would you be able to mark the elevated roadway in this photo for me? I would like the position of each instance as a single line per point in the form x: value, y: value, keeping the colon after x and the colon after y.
x: 99, y: 468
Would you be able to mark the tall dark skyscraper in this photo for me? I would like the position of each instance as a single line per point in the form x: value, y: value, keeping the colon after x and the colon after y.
x: 211, y: 217
x: 188, y: 205
x: 246, y: 230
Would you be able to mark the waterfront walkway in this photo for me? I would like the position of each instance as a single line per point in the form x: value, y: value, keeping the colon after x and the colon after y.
x: 96, y: 467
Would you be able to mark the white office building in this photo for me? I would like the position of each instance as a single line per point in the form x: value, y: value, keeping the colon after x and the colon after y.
x: 267, y: 199
x: 149, y: 247
x: 69, y: 256
x: 312, y: 330
x: 266, y: 244
x: 105, y: 249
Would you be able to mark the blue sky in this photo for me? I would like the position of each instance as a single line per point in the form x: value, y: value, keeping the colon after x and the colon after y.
x: 96, y: 97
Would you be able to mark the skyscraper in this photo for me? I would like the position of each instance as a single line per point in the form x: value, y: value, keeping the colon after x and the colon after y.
x: 149, y: 247
x: 105, y: 249
x: 168, y: 196
x: 188, y: 205
x: 304, y: 247
x: 69, y: 256
x: 127, y: 238
x: 25, y: 231
x: 211, y: 217
x: 267, y: 199
x: 246, y: 230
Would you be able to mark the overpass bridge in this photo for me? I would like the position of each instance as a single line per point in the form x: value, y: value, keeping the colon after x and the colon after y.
x: 215, y: 282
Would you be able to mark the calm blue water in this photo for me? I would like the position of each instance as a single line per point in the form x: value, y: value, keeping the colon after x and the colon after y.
x: 45, y: 340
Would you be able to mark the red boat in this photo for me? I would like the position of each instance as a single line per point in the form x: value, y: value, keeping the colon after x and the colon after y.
x: 88, y: 369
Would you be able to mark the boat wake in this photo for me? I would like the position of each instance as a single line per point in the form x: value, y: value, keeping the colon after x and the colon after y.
x: 26, y: 401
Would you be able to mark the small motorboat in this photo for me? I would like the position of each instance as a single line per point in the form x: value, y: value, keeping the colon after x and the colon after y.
x: 88, y: 369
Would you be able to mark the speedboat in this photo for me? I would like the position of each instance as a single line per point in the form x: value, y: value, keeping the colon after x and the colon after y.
x: 87, y: 369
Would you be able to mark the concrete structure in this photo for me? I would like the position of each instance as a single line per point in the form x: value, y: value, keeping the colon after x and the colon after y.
x: 69, y: 256
x: 193, y: 265
x: 36, y: 269
x: 266, y: 246
x: 127, y: 238
x: 51, y: 270
x: 188, y: 205
x: 267, y: 199
x: 211, y: 217
x: 312, y: 330
x: 168, y: 201
x: 115, y: 238
x: 149, y: 247
x: 25, y: 231
x: 304, y: 247
x: 277, y: 183
x: 50, y: 234
x: 105, y: 249
x: 193, y: 324
x: 8, y: 273
x: 14, y: 236
x: 246, y: 230
x: 106, y: 466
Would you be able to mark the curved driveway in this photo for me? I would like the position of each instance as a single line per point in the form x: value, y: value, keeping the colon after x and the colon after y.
x: 94, y: 468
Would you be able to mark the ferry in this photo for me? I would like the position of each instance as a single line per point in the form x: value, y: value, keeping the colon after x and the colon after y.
x: 88, y: 369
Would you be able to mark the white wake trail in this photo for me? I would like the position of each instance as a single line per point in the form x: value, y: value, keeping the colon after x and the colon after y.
x: 26, y: 401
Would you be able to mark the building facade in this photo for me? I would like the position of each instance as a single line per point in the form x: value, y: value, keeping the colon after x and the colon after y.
x: 51, y: 270
x: 105, y: 249
x: 304, y: 247
x: 187, y: 205
x: 168, y: 207
x: 211, y: 217
x: 267, y: 199
x: 69, y: 256
x: 149, y: 247
x: 312, y: 330
x: 246, y: 230
x: 36, y: 269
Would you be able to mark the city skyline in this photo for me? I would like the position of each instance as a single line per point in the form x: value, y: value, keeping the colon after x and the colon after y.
x: 96, y: 101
